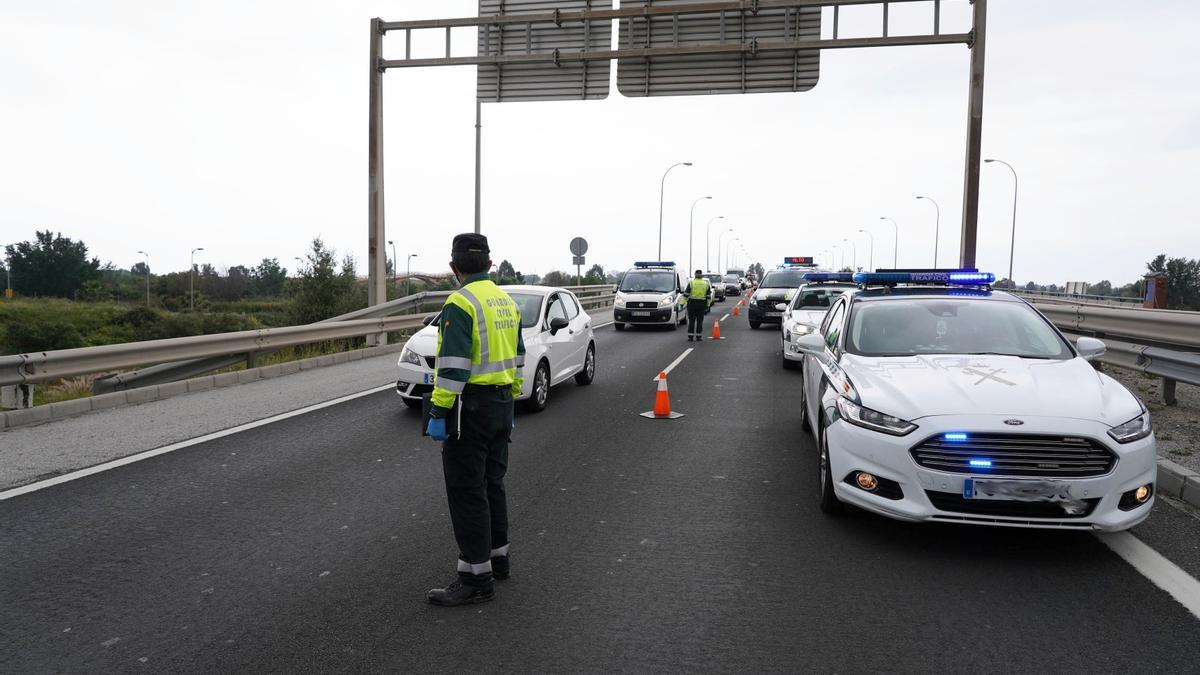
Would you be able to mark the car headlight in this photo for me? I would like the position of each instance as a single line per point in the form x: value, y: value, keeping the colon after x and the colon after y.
x: 1134, y: 430
x: 666, y: 302
x: 409, y: 356
x: 872, y: 419
x: 619, y: 302
x: 803, y: 329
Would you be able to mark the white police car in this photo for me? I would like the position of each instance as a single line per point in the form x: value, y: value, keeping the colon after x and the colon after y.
x: 650, y: 294
x: 559, y: 344
x: 807, y: 309
x: 933, y: 398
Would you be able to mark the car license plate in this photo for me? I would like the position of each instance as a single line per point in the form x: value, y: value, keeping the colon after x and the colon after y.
x: 641, y: 313
x: 1018, y: 490
x: 429, y: 378
x: 773, y: 314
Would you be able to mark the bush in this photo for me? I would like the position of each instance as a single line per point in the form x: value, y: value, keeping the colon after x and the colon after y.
x: 41, y: 335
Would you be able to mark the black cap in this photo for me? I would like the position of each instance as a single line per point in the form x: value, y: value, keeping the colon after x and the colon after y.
x: 470, y: 243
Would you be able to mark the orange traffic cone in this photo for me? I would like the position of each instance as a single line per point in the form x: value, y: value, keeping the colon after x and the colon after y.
x: 735, y: 309
x: 662, y: 402
x: 716, y: 330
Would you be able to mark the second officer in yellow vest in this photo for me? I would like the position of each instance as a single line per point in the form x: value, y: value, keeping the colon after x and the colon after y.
x: 699, y: 292
x: 479, y: 361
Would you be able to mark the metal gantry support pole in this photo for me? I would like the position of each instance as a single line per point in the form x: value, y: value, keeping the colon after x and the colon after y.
x: 970, y: 222
x: 478, y: 159
x: 376, y: 235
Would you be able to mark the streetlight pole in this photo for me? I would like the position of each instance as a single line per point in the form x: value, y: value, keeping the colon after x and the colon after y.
x: 937, y: 225
x: 708, y: 243
x: 730, y: 253
x: 871, y: 261
x: 720, y: 238
x: 896, y: 247
x: 408, y: 275
x: 842, y: 252
x: 1013, y: 244
x: 191, y: 280
x: 662, y: 186
x: 147, y: 276
x: 396, y: 262
x: 691, y: 220
x: 854, y: 254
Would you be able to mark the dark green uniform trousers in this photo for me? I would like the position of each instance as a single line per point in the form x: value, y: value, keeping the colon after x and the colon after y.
x: 474, y: 463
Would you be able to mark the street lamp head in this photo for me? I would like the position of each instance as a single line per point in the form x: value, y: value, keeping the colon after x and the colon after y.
x: 687, y: 163
x: 920, y: 197
x: 391, y: 242
x: 989, y: 161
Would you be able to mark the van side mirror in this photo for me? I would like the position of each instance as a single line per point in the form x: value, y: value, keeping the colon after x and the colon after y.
x: 558, y: 323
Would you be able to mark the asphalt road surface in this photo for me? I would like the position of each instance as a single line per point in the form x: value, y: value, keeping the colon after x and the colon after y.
x: 637, y: 545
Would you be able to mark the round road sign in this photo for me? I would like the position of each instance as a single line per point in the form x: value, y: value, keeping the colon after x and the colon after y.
x: 578, y: 246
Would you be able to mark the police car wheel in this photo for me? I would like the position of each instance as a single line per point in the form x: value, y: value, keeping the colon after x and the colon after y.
x: 829, y: 502
x: 540, y: 395
x: 755, y: 324
x: 585, y: 376
x: 804, y: 422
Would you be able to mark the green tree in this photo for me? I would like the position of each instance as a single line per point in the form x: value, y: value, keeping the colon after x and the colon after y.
x: 1104, y: 287
x: 268, y: 278
x: 51, y: 265
x: 556, y: 278
x: 321, y: 290
x: 595, y: 276
x: 506, y: 274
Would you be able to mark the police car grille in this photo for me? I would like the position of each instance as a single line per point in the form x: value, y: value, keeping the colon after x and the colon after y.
x: 1017, y: 455
x: 642, y: 305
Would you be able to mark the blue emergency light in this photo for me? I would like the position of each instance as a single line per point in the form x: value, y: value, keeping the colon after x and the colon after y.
x: 955, y: 437
x: 828, y: 276
x: 963, y: 277
x: 662, y: 263
x: 981, y: 463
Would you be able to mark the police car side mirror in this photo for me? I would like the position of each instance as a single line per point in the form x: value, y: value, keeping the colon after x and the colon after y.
x: 781, y: 306
x: 1090, y: 348
x: 558, y: 323
x: 429, y: 319
x: 813, y: 343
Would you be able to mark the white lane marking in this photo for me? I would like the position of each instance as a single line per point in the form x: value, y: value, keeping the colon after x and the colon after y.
x: 668, y: 369
x: 116, y: 463
x: 602, y: 325
x: 725, y: 317
x: 1152, y: 565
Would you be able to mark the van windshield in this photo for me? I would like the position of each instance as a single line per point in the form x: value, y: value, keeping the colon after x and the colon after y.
x: 648, y: 281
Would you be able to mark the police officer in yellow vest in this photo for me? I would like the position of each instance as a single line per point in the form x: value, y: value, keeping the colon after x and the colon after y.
x: 479, y: 361
x: 699, y: 292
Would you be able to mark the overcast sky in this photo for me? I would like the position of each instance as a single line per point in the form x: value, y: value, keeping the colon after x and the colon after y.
x: 240, y: 126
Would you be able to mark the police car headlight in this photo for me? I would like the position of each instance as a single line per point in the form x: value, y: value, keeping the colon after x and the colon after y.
x: 409, y: 356
x: 1134, y: 430
x: 803, y: 329
x: 619, y: 302
x: 871, y: 419
x: 666, y: 302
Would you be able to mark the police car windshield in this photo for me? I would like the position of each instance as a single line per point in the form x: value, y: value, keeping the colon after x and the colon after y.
x: 648, y: 281
x: 530, y: 305
x: 782, y: 279
x: 817, y: 298
x: 951, y: 326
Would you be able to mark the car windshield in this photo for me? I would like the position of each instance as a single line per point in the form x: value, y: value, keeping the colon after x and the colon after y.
x: 715, y: 278
x: 530, y: 305
x: 645, y: 281
x: 817, y: 298
x: 951, y: 326
x: 731, y: 278
x: 782, y: 279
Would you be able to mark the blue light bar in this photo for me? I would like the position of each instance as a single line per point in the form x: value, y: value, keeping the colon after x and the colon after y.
x: 827, y: 276
x: 981, y: 463
x: 955, y: 437
x: 929, y: 277
x: 657, y: 263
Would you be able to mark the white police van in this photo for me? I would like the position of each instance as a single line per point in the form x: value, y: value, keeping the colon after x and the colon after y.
x: 650, y: 294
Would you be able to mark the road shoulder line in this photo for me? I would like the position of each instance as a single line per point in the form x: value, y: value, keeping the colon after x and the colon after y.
x: 1157, y: 568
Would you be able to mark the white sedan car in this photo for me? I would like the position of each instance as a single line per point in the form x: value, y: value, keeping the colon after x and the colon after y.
x: 559, y: 345
x: 804, y: 313
x: 964, y: 405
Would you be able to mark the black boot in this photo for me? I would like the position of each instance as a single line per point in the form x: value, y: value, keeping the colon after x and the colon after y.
x: 467, y: 589
x: 500, y: 567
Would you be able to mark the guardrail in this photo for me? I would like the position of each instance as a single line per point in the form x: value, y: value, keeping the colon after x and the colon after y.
x: 1115, y: 300
x: 1159, y: 342
x: 180, y: 358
